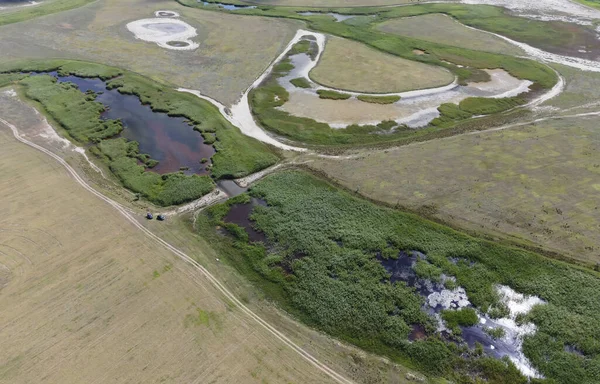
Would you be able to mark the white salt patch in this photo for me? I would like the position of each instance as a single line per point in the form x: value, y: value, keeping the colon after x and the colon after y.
x: 449, y: 299
x: 163, y: 31
x: 518, y: 304
x: 561, y: 10
x: 10, y: 92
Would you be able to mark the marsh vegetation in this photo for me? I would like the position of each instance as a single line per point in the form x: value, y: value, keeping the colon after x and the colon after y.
x: 234, y: 155
x: 320, y: 260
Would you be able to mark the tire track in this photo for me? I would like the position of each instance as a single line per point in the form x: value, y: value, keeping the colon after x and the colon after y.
x: 216, y: 283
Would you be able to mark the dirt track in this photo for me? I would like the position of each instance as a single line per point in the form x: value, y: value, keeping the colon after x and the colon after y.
x: 197, y: 267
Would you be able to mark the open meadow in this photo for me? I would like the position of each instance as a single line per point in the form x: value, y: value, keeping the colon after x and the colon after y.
x: 233, y: 50
x: 439, y: 28
x: 349, y: 65
x: 536, y: 183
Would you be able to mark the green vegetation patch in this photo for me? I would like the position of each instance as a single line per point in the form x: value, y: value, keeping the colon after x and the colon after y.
x: 300, y: 82
x: 333, y: 95
x: 465, y: 317
x: 75, y: 111
x: 322, y: 266
x: 78, y: 114
x: 379, y: 99
x: 164, y: 190
x: 46, y: 8
x: 10, y: 78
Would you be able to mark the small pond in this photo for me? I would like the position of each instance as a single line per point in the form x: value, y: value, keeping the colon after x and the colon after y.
x: 169, y: 140
x: 240, y: 214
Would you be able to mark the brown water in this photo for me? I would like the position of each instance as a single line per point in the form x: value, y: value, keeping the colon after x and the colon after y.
x: 240, y: 214
x: 169, y: 140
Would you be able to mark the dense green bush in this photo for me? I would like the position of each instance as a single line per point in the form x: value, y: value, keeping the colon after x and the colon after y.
x: 332, y: 95
x: 379, y: 99
x: 300, y: 82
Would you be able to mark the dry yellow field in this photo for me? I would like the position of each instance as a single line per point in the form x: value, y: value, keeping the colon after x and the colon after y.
x: 86, y: 297
x: 439, y: 28
x: 349, y: 65
x: 537, y: 183
x: 90, y: 299
x: 234, y: 50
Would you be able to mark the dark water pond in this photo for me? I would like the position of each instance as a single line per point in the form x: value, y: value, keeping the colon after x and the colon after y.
x: 178, y: 43
x: 240, y: 214
x: 229, y: 7
x: 402, y: 269
x: 169, y: 140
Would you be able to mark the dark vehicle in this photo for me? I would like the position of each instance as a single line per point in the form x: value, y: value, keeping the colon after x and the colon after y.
x: 161, y: 217
x: 149, y: 216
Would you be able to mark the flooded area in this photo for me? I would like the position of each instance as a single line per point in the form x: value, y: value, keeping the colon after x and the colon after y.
x: 415, y: 109
x: 231, y: 188
x: 240, y: 214
x: 438, y: 297
x: 169, y: 140
x: 337, y: 16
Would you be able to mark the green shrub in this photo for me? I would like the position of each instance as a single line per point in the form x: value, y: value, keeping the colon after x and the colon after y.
x: 300, y: 82
x: 379, y: 99
x: 332, y: 95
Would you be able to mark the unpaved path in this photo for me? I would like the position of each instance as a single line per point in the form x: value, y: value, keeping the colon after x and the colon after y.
x: 216, y: 283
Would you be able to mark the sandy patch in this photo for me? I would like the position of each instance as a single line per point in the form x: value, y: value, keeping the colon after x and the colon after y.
x: 165, y: 32
x: 415, y: 109
x: 560, y: 10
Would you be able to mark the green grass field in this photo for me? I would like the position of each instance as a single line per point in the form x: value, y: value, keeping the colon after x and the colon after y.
x: 321, y: 266
x: 534, y: 184
x: 352, y: 66
x: 439, y: 28
x: 11, y: 15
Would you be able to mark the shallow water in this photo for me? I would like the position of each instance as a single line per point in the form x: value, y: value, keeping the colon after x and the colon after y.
x: 231, y: 188
x: 169, y: 140
x: 415, y: 109
x: 337, y: 16
x: 401, y: 269
x: 229, y: 7
x: 240, y: 214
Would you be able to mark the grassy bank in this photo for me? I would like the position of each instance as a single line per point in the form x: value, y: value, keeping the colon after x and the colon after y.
x: 79, y: 114
x: 379, y: 99
x: 10, y: 16
x: 325, y: 271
